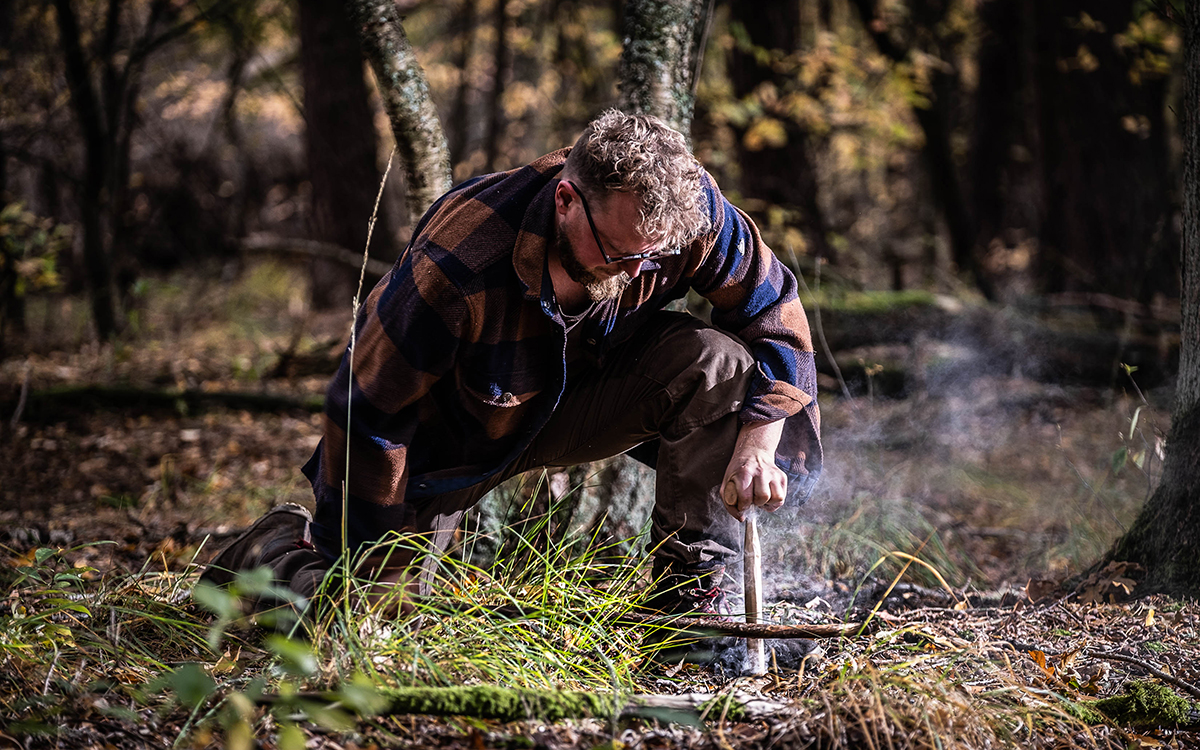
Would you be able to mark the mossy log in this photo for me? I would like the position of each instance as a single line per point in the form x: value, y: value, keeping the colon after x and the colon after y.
x: 1042, y: 343
x: 1144, y: 704
x: 519, y: 704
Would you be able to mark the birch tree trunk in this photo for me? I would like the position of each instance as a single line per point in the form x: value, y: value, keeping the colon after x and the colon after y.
x: 663, y: 47
x: 1165, y: 537
x: 420, y: 139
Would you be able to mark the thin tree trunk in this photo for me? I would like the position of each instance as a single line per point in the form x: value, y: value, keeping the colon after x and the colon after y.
x: 420, y: 140
x: 1006, y: 192
x: 1165, y: 537
x: 784, y: 175
x: 937, y: 151
x: 459, y: 117
x: 97, y: 155
x: 1106, y: 153
x: 341, y: 140
x: 660, y: 59
x: 499, y: 71
x: 243, y: 48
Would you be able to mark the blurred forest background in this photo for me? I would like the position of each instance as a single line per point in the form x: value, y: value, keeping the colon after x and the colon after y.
x: 1016, y: 150
x: 979, y: 194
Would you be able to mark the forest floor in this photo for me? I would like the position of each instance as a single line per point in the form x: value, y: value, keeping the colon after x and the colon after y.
x: 947, y: 520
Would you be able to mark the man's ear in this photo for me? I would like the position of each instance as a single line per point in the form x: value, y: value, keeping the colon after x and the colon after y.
x: 562, y: 197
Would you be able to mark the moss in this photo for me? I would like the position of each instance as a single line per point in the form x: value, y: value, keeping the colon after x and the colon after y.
x: 878, y: 301
x: 493, y: 702
x: 733, y: 710
x: 1145, y: 703
x: 1083, y: 712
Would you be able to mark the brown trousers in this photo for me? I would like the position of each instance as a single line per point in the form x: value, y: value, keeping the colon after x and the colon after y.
x: 677, y: 382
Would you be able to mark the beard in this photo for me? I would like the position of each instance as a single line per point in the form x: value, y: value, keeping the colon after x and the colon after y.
x: 598, y: 287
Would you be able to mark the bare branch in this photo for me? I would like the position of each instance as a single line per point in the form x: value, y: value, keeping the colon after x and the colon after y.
x: 261, y: 242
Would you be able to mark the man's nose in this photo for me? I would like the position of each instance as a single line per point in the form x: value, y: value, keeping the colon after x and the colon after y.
x: 631, y: 267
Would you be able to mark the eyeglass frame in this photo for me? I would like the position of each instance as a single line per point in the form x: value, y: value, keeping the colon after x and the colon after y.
x: 609, y: 260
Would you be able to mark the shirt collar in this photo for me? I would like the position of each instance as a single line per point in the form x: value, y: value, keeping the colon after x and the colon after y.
x: 537, y: 227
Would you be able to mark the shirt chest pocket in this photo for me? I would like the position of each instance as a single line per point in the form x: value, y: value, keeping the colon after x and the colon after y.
x: 504, y: 390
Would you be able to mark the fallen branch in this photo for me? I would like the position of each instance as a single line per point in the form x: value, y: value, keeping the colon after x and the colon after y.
x: 715, y: 626
x: 699, y: 626
x: 261, y: 242
x: 517, y: 704
x: 1186, y: 686
x: 53, y: 402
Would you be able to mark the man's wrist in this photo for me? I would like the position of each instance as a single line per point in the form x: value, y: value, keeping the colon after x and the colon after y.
x: 759, y: 436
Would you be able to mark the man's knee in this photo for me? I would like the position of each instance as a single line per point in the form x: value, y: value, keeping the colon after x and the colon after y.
x: 700, y: 359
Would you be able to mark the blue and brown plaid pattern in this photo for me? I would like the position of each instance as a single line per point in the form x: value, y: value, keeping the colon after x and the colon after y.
x: 460, y: 353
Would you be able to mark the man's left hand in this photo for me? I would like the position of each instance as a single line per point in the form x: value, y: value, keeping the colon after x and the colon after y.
x: 752, y: 478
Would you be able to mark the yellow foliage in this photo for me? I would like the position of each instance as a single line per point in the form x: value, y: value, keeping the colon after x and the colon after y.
x: 765, y: 132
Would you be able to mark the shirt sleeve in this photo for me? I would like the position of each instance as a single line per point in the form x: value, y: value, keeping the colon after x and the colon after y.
x: 754, y: 297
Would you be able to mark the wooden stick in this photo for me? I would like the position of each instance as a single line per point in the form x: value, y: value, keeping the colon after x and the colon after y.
x: 756, y: 655
x: 717, y: 626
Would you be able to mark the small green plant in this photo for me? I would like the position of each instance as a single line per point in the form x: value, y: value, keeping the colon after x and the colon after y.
x: 29, y: 248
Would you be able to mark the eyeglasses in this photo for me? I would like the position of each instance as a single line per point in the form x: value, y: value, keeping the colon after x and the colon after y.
x: 648, y: 255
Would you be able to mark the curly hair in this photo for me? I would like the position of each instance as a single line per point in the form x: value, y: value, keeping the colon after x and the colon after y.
x: 641, y: 154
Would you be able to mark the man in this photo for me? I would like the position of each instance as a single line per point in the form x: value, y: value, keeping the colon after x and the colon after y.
x: 524, y: 327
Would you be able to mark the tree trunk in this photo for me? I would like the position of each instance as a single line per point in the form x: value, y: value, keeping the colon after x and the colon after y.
x: 97, y: 156
x: 661, y: 59
x: 460, y: 131
x: 341, y: 141
x: 1006, y: 189
x: 499, y: 73
x: 1105, y: 150
x: 1069, y: 153
x: 1165, y: 537
x: 783, y: 175
x: 936, y: 122
x: 420, y: 140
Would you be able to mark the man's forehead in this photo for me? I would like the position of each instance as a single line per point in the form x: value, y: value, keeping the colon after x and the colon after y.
x: 620, y: 219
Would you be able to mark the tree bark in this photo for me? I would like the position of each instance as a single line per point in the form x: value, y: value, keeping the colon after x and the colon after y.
x: 341, y: 142
x: 661, y: 59
x: 420, y: 140
x: 1165, y: 537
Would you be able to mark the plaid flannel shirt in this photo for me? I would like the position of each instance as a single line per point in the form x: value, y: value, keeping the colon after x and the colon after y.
x: 460, y: 358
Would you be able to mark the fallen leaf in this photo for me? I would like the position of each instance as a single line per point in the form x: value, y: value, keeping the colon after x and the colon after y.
x: 1039, y: 658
